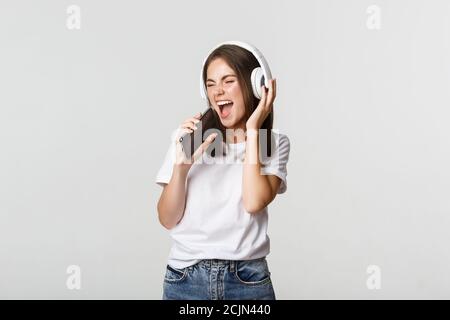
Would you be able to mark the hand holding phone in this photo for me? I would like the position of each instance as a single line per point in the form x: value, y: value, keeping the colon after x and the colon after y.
x: 190, y: 142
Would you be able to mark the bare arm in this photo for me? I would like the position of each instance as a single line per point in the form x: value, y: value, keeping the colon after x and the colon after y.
x: 257, y: 190
x: 172, y: 201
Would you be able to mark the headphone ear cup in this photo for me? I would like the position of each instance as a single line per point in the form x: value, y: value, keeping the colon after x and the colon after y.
x: 257, y: 79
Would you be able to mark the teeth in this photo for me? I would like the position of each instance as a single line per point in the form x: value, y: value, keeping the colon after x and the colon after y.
x: 221, y: 103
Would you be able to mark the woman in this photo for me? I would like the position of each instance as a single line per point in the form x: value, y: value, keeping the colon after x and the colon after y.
x: 217, y: 212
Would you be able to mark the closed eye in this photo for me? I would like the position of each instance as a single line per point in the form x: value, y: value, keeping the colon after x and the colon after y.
x: 210, y: 85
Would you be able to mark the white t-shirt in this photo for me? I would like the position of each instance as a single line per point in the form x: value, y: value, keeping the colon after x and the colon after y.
x: 215, y: 224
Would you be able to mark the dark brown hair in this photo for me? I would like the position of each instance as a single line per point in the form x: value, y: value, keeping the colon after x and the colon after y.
x: 242, y: 62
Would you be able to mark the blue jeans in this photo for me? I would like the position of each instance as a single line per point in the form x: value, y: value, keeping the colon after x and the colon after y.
x: 216, y: 279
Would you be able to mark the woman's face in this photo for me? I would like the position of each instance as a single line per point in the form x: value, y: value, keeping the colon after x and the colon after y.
x: 225, y: 94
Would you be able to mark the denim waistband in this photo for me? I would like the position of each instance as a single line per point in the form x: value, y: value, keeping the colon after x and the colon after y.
x: 217, y: 263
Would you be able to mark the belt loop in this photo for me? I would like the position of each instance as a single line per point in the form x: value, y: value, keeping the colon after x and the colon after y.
x: 232, y: 266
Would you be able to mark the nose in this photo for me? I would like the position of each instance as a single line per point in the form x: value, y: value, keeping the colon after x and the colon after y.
x: 218, y: 90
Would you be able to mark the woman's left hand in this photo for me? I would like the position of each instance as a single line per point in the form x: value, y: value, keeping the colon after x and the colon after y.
x: 264, y: 107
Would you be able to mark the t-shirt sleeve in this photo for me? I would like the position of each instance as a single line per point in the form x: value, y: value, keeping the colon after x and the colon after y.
x: 277, y: 163
x: 165, y: 171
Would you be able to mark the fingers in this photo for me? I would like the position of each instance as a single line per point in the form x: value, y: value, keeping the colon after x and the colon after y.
x: 193, y: 120
x: 270, y: 93
x: 263, y: 95
x: 190, y: 123
x: 198, y: 115
x: 187, y: 130
x: 204, y: 145
x: 274, y: 88
x: 181, y: 132
x: 211, y: 138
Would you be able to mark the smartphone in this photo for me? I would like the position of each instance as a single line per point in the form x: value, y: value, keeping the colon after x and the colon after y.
x: 192, y: 141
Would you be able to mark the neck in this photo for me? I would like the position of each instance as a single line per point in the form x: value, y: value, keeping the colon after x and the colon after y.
x: 236, y: 135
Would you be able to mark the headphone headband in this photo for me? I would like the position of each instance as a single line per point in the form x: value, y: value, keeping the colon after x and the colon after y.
x: 256, y: 53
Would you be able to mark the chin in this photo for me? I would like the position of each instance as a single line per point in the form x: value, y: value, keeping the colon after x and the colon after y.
x: 228, y: 125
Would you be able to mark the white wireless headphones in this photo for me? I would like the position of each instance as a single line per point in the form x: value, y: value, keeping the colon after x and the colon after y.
x: 259, y: 76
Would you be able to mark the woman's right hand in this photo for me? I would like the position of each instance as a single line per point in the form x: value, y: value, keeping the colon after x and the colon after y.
x: 188, y: 126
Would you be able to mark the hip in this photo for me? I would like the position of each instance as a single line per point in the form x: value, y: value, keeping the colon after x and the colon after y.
x: 215, y: 279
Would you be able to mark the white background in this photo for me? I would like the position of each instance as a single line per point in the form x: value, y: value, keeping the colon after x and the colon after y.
x: 86, y: 117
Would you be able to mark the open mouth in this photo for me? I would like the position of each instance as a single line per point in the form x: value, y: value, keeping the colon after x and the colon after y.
x: 225, y: 107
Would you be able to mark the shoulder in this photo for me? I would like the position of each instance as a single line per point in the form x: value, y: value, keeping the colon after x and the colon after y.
x: 280, y: 148
x: 282, y: 142
x: 283, y: 137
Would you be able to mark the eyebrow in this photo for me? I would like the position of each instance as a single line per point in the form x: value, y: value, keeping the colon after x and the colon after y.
x: 227, y: 75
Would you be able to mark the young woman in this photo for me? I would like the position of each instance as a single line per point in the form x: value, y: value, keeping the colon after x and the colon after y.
x: 217, y: 212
